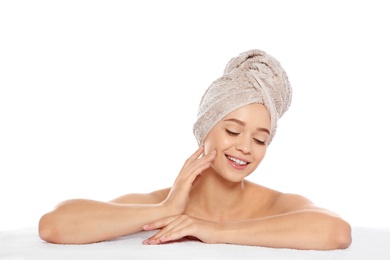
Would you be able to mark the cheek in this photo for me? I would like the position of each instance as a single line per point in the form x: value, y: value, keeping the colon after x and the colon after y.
x: 219, y: 143
x: 261, y: 154
x: 208, y: 147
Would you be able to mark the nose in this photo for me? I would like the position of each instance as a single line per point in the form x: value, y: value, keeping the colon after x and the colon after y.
x: 244, y: 144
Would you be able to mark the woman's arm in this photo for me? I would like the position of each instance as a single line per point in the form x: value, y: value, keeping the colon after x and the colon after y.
x: 296, y: 223
x: 86, y: 221
x: 307, y: 229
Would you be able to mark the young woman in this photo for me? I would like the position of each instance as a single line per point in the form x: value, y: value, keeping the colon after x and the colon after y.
x: 210, y: 199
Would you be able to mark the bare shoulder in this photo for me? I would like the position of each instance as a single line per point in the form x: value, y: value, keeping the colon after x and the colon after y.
x: 281, y: 203
x: 287, y: 202
x: 290, y: 202
x: 268, y: 194
x: 143, y: 198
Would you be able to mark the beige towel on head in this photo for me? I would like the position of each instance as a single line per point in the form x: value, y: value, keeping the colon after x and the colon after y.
x: 251, y: 77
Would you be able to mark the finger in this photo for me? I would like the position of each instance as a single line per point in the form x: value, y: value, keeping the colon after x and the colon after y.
x: 200, y: 165
x: 194, y: 168
x: 173, y: 223
x: 186, y: 227
x: 159, y: 223
x: 192, y: 158
x: 196, y: 154
x: 177, y: 223
x: 156, y: 225
x: 203, y: 160
x: 175, y: 230
x: 174, y: 235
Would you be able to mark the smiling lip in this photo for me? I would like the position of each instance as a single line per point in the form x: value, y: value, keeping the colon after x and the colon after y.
x: 237, y: 163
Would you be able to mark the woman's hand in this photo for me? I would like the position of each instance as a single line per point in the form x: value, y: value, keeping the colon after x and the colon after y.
x: 177, y: 198
x: 177, y: 227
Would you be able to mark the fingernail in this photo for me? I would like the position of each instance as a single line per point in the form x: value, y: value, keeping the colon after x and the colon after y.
x: 153, y: 242
x: 145, y: 227
x: 145, y: 242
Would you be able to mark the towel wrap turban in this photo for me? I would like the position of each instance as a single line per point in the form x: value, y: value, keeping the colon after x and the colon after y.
x: 251, y: 77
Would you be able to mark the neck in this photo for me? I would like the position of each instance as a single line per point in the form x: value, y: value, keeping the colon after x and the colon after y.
x: 216, y: 197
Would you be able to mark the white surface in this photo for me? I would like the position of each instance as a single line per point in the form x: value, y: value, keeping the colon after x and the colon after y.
x: 368, y: 243
x: 98, y: 98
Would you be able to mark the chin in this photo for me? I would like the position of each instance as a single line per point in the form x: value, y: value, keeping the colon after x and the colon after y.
x: 231, y: 175
x: 234, y: 178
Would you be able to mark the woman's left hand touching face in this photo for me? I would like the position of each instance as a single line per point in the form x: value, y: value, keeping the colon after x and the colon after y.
x: 177, y: 227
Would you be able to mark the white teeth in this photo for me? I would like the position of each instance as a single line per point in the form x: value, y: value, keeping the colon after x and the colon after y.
x: 237, y: 161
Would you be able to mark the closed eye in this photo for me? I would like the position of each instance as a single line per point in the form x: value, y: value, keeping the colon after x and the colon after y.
x: 259, y: 141
x: 231, y: 132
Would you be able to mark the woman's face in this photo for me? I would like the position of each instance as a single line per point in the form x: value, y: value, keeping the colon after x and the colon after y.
x: 241, y: 140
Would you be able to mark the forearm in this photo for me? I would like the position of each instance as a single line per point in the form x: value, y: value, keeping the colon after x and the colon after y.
x: 87, y: 221
x: 299, y: 230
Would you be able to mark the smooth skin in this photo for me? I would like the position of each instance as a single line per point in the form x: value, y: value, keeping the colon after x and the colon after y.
x: 210, y: 200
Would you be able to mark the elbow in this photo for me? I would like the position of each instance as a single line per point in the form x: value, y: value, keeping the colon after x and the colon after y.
x: 53, y: 226
x: 63, y: 225
x: 344, y: 235
x: 340, y: 235
x: 47, y: 229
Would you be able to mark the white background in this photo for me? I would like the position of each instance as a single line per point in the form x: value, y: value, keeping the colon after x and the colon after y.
x: 98, y: 98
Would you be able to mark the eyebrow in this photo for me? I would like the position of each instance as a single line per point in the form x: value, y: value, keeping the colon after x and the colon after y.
x: 262, y: 129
